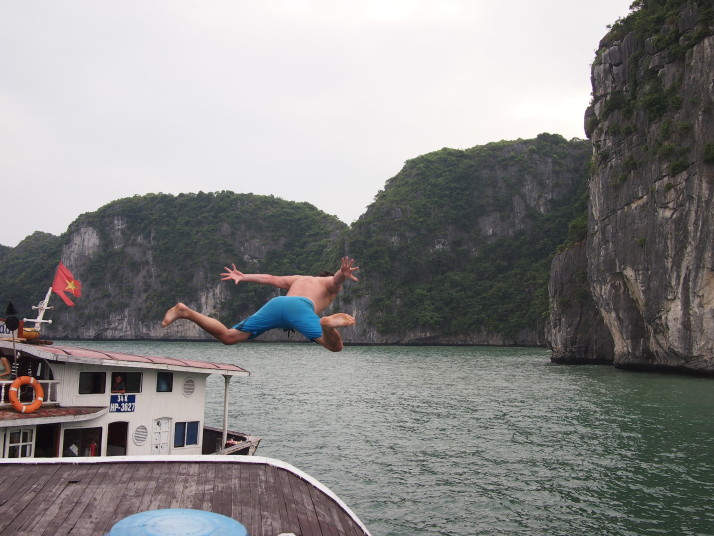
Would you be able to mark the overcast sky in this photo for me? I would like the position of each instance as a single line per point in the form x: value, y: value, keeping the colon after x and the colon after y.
x: 308, y: 100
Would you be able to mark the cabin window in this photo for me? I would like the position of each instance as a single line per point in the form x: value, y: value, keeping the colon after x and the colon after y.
x: 82, y: 442
x: 164, y: 382
x: 19, y: 443
x: 126, y: 382
x: 92, y: 383
x: 186, y: 433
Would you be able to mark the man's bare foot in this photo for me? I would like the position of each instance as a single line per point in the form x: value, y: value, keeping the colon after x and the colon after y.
x: 338, y: 320
x: 177, y: 311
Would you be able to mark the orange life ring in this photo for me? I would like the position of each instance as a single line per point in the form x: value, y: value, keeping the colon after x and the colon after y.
x: 15, y: 401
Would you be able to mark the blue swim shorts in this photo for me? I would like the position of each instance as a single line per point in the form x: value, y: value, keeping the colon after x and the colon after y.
x: 286, y: 312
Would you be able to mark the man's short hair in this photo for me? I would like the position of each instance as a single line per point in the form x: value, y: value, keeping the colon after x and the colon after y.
x: 325, y: 274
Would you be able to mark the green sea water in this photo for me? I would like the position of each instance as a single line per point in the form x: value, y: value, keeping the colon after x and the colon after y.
x: 474, y: 440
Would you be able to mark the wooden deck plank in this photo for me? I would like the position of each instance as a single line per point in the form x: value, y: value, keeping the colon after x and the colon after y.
x: 78, y: 512
x: 15, y: 479
x: 32, y: 485
x: 7, y: 479
x: 248, y: 501
x: 147, y: 493
x: 304, y: 507
x: 262, y: 505
x: 70, y: 498
x: 193, y: 484
x: 269, y: 504
x: 94, y: 493
x: 258, y: 500
x: 222, y: 491
x: 180, y: 481
x: 293, y: 520
x: 351, y: 527
x: 163, y: 490
x: 98, y: 518
x: 243, y: 503
x: 329, y: 525
x: 120, y: 495
x: 203, y: 497
x: 344, y: 522
x: 276, y: 490
x: 25, y: 522
x: 331, y: 513
x: 131, y: 500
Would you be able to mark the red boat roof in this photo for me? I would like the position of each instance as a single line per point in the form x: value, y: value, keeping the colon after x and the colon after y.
x: 84, y: 355
x: 48, y: 414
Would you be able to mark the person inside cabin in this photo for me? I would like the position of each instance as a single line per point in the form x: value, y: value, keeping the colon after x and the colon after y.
x: 306, y: 297
x: 118, y: 385
x: 7, y: 369
x: 92, y: 447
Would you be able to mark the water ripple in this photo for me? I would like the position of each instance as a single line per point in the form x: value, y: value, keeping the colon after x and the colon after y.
x: 479, y: 441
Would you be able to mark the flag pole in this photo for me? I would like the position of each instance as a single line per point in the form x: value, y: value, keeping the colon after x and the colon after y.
x: 42, y: 307
x: 12, y: 323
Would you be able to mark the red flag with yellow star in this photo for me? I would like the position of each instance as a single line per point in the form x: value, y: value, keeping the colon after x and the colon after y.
x: 65, y: 282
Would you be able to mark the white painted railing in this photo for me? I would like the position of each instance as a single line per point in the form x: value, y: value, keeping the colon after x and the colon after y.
x: 50, y: 387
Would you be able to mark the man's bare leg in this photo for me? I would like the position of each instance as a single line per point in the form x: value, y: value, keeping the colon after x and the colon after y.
x: 331, y: 338
x: 206, y: 323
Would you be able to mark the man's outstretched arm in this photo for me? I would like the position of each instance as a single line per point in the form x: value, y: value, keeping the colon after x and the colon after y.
x: 235, y: 275
x: 346, y: 271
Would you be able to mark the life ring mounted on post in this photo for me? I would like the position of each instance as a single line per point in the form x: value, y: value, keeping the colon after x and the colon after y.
x: 15, y: 401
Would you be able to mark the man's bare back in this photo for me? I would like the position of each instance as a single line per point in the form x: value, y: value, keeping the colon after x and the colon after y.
x: 315, y: 289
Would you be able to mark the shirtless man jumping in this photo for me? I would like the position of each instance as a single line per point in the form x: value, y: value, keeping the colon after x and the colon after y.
x: 306, y: 296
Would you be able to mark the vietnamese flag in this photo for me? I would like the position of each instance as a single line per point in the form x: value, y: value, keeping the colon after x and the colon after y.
x: 65, y: 282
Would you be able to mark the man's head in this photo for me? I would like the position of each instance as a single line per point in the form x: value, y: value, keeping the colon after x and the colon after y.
x: 325, y: 274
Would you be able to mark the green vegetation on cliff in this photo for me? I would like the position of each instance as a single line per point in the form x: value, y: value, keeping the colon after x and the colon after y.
x: 641, y: 54
x: 191, y: 237
x: 660, y: 19
x: 27, y: 271
x: 144, y: 253
x: 460, y: 242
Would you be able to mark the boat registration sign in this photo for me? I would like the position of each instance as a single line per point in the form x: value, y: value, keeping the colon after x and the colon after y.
x: 122, y: 403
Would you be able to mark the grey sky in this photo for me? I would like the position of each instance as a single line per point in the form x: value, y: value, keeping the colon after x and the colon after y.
x: 307, y: 100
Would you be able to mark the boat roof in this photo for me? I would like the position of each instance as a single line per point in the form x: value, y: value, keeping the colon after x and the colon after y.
x: 73, y: 354
x: 81, y: 496
x: 9, y: 417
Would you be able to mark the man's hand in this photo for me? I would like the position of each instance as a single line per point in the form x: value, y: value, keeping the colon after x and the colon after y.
x: 347, y: 269
x: 232, y: 274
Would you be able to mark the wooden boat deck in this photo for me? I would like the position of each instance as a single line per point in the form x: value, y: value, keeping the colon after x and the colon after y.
x: 89, y: 495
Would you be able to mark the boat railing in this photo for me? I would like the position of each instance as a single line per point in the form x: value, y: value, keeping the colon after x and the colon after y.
x: 50, y: 388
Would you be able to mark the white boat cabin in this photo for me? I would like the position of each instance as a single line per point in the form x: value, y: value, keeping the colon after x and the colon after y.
x: 103, y: 403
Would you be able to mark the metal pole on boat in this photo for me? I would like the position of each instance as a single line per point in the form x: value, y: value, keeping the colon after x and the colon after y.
x: 225, y: 411
x: 42, y: 307
x: 12, y: 323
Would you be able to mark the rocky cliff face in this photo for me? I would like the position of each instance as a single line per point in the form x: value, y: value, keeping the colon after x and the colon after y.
x: 452, y: 249
x: 112, y: 301
x: 576, y: 330
x: 650, y: 246
x: 137, y: 257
